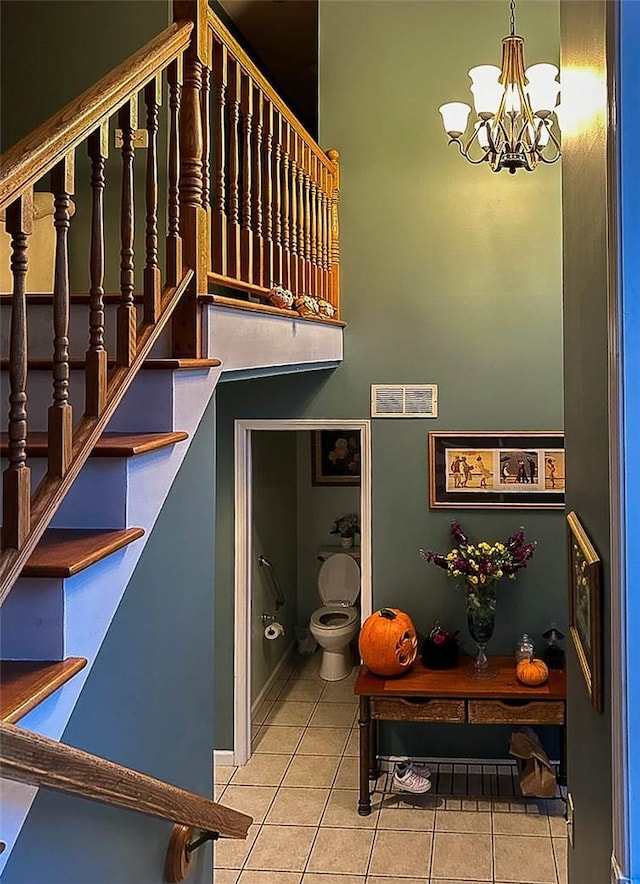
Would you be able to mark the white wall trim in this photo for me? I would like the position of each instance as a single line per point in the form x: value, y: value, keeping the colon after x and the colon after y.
x: 242, y: 570
x: 274, y: 675
x: 223, y: 757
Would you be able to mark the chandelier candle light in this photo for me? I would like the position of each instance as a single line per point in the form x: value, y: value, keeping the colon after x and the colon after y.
x: 479, y: 567
x: 516, y: 111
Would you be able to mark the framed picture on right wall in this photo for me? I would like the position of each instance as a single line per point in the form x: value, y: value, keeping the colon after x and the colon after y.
x: 585, y: 607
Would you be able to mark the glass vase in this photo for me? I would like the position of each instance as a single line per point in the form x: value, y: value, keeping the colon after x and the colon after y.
x: 481, y: 620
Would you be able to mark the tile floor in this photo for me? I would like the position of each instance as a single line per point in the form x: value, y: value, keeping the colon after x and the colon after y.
x: 300, y: 786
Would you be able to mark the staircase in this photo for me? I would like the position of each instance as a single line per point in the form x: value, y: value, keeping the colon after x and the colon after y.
x: 109, y: 426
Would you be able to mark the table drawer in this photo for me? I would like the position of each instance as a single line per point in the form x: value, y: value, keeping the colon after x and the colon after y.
x: 515, y: 712
x: 407, y: 709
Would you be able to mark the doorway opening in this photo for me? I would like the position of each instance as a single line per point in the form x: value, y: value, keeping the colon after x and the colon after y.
x: 246, y: 555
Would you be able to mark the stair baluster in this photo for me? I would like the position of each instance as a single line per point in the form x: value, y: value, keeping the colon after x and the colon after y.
x: 268, y: 192
x: 127, y: 321
x: 234, y: 187
x: 277, y: 195
x: 318, y: 227
x: 302, y: 255
x: 258, y: 242
x: 293, y: 146
x: 205, y: 113
x: 174, y: 240
x: 152, y: 284
x: 326, y: 294
x: 246, y: 227
x: 219, y: 220
x: 307, y: 220
x: 96, y: 357
x: 17, y: 475
x: 313, y: 224
x: 286, y: 225
x: 60, y: 415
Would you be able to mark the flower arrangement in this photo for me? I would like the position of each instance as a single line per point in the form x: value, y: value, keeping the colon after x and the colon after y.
x: 347, y: 525
x: 482, y: 563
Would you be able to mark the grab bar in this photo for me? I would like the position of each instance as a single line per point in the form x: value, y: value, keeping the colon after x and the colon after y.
x: 278, y: 594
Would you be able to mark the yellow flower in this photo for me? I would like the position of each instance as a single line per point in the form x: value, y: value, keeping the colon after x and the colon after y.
x: 456, y: 573
x: 474, y: 565
x: 500, y: 547
x: 474, y: 580
x: 482, y: 578
x: 498, y: 573
x: 512, y: 576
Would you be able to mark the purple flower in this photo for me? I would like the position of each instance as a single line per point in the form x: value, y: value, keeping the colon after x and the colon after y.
x: 458, y: 533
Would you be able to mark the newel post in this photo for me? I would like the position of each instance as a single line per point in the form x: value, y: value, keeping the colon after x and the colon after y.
x: 334, y: 231
x: 186, y: 330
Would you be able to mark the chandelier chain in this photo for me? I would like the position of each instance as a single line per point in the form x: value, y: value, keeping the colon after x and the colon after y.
x: 512, y: 16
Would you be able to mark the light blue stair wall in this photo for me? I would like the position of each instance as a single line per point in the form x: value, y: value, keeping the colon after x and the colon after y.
x: 148, y: 702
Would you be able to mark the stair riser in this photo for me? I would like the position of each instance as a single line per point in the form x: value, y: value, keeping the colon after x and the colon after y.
x: 40, y: 324
x: 32, y: 622
x: 97, y: 499
x: 139, y: 412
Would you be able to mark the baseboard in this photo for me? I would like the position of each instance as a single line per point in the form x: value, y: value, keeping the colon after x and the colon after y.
x: 274, y: 675
x: 223, y: 757
x: 617, y: 877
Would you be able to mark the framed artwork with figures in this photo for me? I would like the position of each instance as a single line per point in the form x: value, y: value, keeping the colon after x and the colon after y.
x: 500, y: 469
x: 335, y: 457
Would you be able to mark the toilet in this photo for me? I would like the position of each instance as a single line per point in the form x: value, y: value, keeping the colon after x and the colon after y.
x: 336, y: 623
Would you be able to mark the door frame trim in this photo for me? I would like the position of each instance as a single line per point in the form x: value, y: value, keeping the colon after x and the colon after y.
x: 243, y: 489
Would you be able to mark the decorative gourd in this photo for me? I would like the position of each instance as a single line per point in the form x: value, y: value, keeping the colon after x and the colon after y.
x: 532, y: 672
x: 388, y: 642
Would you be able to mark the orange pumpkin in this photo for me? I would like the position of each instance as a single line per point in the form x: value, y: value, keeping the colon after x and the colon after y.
x: 532, y: 672
x: 388, y: 642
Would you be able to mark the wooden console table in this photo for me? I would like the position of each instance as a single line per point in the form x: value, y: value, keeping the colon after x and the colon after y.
x: 450, y: 696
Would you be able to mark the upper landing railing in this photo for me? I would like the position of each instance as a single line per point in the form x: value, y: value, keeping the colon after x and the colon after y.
x: 271, y: 192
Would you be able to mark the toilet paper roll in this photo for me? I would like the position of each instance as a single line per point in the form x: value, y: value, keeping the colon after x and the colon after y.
x: 273, y: 631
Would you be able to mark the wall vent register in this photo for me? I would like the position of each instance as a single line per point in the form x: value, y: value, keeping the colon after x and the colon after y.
x: 404, y: 400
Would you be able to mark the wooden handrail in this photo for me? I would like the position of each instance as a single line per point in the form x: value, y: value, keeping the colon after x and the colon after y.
x: 28, y: 160
x: 30, y: 758
x: 249, y: 67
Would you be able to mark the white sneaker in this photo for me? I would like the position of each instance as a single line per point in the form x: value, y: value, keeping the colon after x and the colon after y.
x: 408, y: 779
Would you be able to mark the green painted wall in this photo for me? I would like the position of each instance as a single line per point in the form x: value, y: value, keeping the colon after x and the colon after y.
x: 587, y: 413
x: 449, y: 275
x: 275, y: 524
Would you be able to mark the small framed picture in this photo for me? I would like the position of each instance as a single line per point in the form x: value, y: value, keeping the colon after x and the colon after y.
x: 335, y: 457
x: 504, y: 469
x: 585, y: 607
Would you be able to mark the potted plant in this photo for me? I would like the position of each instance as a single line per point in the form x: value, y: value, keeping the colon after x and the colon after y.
x: 347, y: 527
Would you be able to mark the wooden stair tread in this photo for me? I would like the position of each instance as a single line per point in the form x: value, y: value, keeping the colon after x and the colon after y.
x: 108, y: 445
x: 168, y: 364
x: 25, y: 683
x: 63, y: 552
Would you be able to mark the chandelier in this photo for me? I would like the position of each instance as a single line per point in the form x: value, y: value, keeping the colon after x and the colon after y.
x: 516, y: 110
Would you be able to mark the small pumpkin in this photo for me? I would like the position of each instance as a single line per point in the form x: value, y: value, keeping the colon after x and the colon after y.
x: 532, y: 672
x: 388, y: 642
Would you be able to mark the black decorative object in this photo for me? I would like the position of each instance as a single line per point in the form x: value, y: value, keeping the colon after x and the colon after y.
x: 553, y: 654
x: 440, y: 649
